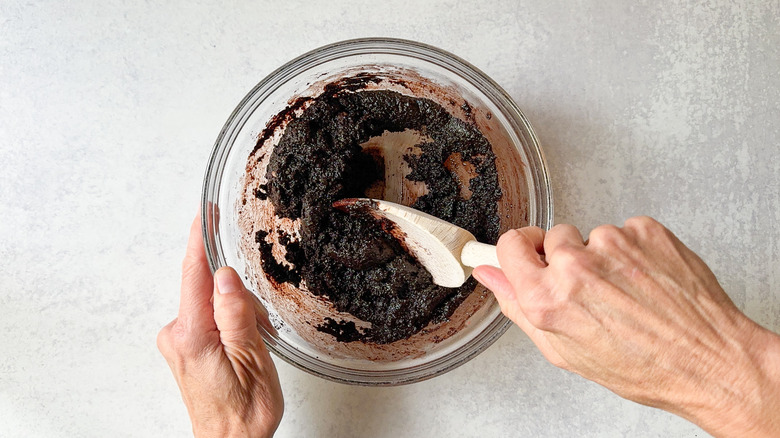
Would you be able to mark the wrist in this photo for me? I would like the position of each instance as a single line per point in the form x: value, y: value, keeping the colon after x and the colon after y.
x: 766, y: 421
x: 231, y: 429
x: 748, y: 406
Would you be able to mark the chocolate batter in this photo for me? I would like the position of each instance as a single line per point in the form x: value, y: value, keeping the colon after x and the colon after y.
x: 348, y: 257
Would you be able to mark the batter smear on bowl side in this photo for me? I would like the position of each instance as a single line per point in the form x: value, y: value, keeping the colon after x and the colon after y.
x: 348, y: 257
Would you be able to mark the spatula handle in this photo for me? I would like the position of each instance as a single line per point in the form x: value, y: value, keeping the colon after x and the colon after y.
x: 475, y: 253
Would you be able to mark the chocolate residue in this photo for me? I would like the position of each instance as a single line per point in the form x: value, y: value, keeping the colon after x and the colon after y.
x: 280, y: 120
x: 344, y: 331
x: 349, y: 257
x: 278, y: 272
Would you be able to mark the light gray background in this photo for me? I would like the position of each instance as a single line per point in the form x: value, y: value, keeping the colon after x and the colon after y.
x: 108, y: 111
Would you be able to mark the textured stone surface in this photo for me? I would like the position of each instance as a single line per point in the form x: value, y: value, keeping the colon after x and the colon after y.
x: 108, y: 111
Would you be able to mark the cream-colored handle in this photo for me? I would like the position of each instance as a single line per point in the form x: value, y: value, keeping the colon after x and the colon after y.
x: 475, y: 253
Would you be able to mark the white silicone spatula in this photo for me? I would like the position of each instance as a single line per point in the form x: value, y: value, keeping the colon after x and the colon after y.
x: 447, y: 251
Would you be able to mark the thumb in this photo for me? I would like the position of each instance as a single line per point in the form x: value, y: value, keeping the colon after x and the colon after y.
x: 495, y: 280
x: 234, y: 310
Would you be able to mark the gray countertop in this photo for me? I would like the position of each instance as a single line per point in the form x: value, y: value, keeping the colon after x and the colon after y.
x: 108, y: 111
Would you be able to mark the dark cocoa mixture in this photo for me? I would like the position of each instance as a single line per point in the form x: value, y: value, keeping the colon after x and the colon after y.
x: 348, y: 257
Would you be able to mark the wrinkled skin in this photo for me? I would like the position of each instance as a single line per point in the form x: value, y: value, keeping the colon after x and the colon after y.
x: 632, y: 309
x: 636, y: 311
x: 216, y: 354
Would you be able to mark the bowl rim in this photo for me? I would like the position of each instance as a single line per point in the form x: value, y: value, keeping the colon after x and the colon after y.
x: 391, y: 46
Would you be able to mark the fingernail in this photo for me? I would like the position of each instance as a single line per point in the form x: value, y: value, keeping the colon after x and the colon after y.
x: 228, y: 281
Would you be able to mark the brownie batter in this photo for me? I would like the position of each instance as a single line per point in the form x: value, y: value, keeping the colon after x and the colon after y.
x: 347, y: 256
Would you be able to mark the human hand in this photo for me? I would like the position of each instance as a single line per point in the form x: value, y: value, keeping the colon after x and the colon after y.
x: 226, y: 376
x: 639, y: 313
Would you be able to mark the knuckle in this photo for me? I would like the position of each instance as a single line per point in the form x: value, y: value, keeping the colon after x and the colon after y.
x: 515, y: 237
x: 572, y: 266
x: 177, y: 341
x: 562, y: 228
x: 644, y: 224
x: 235, y: 307
x: 568, y: 256
x: 173, y: 341
x: 605, y: 236
x: 510, y: 238
x: 164, y: 340
x: 191, y: 266
x: 557, y: 228
x: 646, y: 228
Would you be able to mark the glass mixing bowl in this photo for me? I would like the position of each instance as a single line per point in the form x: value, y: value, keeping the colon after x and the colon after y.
x: 410, y: 68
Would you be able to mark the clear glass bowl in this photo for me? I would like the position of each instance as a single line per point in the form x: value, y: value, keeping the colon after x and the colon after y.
x: 412, y: 68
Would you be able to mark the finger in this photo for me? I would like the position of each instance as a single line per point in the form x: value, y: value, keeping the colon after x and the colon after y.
x: 195, y: 308
x: 520, y: 255
x: 237, y: 321
x: 495, y: 280
x: 234, y: 311
x: 560, y: 236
